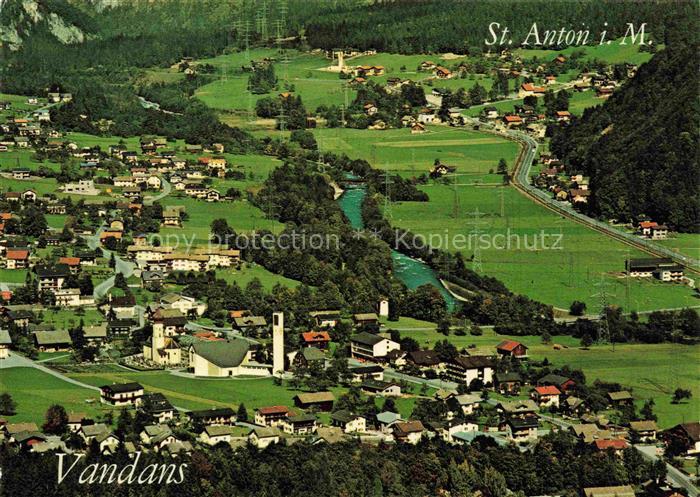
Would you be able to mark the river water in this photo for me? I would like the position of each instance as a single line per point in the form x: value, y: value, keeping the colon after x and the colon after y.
x: 412, y: 272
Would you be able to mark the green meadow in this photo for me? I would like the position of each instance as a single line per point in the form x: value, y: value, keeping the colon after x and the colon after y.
x: 250, y: 271
x: 35, y: 391
x: 473, y: 153
x: 613, y: 52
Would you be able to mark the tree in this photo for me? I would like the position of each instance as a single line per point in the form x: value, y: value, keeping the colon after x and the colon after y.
x: 242, y: 414
x: 112, y: 261
x: 444, y: 327
x: 577, y: 308
x: 647, y: 410
x: 56, y: 420
x: 680, y: 394
x: 586, y: 341
x: 390, y: 405
x: 493, y: 483
x: 502, y: 167
x: 8, y: 407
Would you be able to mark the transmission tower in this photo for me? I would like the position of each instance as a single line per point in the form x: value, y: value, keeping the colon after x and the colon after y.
x: 456, y: 210
x: 387, y: 195
x: 261, y: 20
x: 246, y: 41
x: 476, y: 231
x: 604, y: 335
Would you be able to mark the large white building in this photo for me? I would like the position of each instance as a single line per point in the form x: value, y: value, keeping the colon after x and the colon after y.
x: 221, y: 358
x: 367, y: 346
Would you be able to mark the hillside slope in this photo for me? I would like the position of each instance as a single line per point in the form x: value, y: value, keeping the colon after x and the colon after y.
x: 641, y: 148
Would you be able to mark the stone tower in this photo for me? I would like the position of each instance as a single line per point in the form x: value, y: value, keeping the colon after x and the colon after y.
x: 277, y: 343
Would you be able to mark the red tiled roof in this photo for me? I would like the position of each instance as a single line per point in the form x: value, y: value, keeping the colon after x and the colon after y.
x: 6, y: 295
x: 563, y: 113
x: 316, y: 336
x: 17, y: 255
x: 70, y: 261
x: 273, y: 410
x: 648, y: 224
x: 547, y: 390
x: 5, y: 216
x: 508, y: 345
x: 513, y: 119
x: 616, y: 444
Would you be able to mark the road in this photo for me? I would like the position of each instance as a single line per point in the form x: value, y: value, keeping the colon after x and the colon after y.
x: 121, y: 266
x: 166, y: 189
x: 521, y: 181
x: 674, y: 476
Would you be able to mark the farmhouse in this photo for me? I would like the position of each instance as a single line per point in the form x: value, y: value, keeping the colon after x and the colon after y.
x: 323, y: 401
x: 384, y: 388
x: 408, y: 431
x: 318, y: 339
x: 325, y: 319
x: 686, y: 436
x: 17, y: 259
x: 511, y: 348
x: 301, y: 424
x: 52, y: 341
x: 546, y: 396
x: 120, y: 394
x: 644, y: 431
x: 271, y: 416
x: 348, y: 422
x: 214, y: 416
x: 214, y: 434
x: 521, y: 429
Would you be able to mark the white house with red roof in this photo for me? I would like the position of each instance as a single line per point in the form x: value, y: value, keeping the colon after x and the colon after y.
x: 546, y: 396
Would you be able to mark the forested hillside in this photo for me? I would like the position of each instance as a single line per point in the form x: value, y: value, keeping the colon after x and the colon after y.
x: 641, y: 147
x: 420, y: 26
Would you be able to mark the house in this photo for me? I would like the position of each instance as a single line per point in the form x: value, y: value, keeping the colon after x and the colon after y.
x: 616, y: 444
x: 573, y: 406
x: 369, y: 347
x: 425, y: 359
x: 68, y: 297
x: 462, y: 405
x: 417, y: 129
x: 512, y: 121
x: 120, y: 327
x: 120, y: 394
x: 301, y: 424
x: 579, y: 195
x: 21, y: 173
x: 215, y: 434
x: 17, y: 259
x: 562, y: 116
x: 561, y: 382
x: 522, y: 428
x: 546, y: 396
x: 365, y: 319
x: 467, y: 369
x: 214, y: 416
x: 508, y: 383
x: 685, y: 436
x: 158, y: 407
x: 76, y: 420
x: 621, y: 398
x: 653, y: 230
x: 590, y: 432
x: 221, y: 358
x: 156, y: 436
x: 490, y: 112
x: 52, y: 341
x: 513, y: 349
x: 408, y: 431
x: 644, y: 431
x: 322, y: 401
x: 318, y: 339
x: 271, y: 416
x: 440, y: 169
x: 619, y: 491
x: 73, y: 263
x: 152, y: 280
x: 349, y: 422
x: 442, y: 73
x: 5, y: 343
x: 386, y: 420
x: 183, y: 303
x: 370, y: 109
x: 95, y: 334
x: 517, y: 408
x: 250, y: 325
x: 325, y: 319
x: 384, y: 388
x: 306, y: 356
x: 262, y: 437
x: 529, y: 90
x: 361, y: 373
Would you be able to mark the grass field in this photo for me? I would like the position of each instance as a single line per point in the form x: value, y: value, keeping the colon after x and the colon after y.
x: 473, y: 153
x: 249, y: 271
x: 35, y: 391
x: 612, y: 53
x: 684, y: 243
x: 554, y: 276
x: 13, y: 275
x: 64, y: 319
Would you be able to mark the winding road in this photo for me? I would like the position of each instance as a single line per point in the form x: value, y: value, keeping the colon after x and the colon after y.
x: 521, y: 181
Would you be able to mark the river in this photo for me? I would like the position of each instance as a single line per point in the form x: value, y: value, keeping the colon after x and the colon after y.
x: 412, y: 272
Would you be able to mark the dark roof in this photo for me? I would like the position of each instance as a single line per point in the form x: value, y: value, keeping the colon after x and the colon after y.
x: 507, y: 377
x: 366, y: 369
x: 223, y: 353
x: 58, y: 337
x: 424, y: 357
x: 220, y: 412
x: 344, y: 416
x: 367, y: 338
x: 652, y: 263
x: 59, y: 270
x: 473, y: 362
x: 553, y: 379
x: 376, y: 385
x: 156, y: 402
x: 523, y: 422
x: 121, y: 387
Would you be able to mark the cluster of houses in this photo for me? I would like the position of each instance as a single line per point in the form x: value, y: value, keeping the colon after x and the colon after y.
x: 573, y: 188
